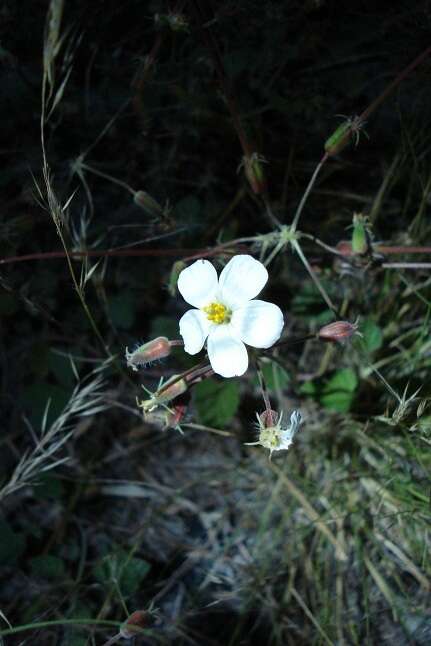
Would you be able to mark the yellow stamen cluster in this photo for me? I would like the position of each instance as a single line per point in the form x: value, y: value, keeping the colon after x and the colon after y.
x: 217, y: 313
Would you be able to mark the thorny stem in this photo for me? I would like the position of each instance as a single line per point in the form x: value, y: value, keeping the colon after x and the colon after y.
x: 307, y: 192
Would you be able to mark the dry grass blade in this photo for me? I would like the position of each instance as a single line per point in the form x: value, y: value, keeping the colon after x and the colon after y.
x: 87, y: 399
x: 312, y: 514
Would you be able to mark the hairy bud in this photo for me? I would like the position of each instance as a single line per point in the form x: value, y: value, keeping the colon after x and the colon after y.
x: 156, y: 349
x: 174, y: 387
x: 148, y: 203
x: 337, y: 331
x: 165, y: 418
x: 254, y: 173
x: 134, y: 624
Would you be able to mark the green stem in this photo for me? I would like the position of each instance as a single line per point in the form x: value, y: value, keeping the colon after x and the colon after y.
x: 59, y: 622
x: 307, y: 192
x: 314, y: 278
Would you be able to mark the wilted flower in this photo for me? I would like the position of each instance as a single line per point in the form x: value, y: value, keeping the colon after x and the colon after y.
x: 226, y: 315
x: 271, y: 434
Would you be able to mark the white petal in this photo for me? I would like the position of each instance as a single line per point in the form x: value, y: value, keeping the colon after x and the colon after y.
x: 198, y: 284
x: 241, y: 280
x: 227, y: 353
x: 194, y: 328
x: 258, y: 323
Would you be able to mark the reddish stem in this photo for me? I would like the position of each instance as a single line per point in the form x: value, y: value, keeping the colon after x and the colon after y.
x: 189, y: 254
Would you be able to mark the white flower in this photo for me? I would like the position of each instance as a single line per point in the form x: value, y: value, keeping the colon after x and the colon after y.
x: 272, y: 436
x: 226, y: 315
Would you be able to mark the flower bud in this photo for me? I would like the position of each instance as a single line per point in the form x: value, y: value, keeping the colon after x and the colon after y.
x: 172, y: 21
x: 165, y: 418
x: 268, y: 418
x: 134, y: 624
x: 168, y: 391
x: 176, y: 270
x: 148, y: 203
x: 156, y: 349
x: 337, y: 331
x: 254, y: 173
x: 339, y: 139
x: 361, y: 234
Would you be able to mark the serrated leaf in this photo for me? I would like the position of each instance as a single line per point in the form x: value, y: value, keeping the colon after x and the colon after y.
x: 216, y: 401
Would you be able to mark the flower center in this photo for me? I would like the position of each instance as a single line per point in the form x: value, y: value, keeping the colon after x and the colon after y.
x: 270, y: 437
x: 217, y: 313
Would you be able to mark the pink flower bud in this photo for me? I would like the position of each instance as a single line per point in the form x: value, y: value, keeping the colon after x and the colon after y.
x: 134, y: 624
x: 164, y: 418
x: 337, y: 331
x: 268, y: 418
x: 155, y: 349
x: 171, y: 389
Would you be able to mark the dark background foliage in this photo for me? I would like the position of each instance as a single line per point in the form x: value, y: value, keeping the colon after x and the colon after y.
x: 139, y: 516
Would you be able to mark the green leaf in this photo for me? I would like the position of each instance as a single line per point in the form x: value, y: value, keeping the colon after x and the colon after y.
x: 122, y: 310
x: 61, y: 367
x: 48, y: 486
x: 338, y: 393
x: 217, y: 401
x: 48, y: 567
x: 188, y: 209
x: 275, y: 376
x: 372, y: 335
x: 12, y: 544
x: 164, y: 326
x: 127, y: 571
x: 36, y: 398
